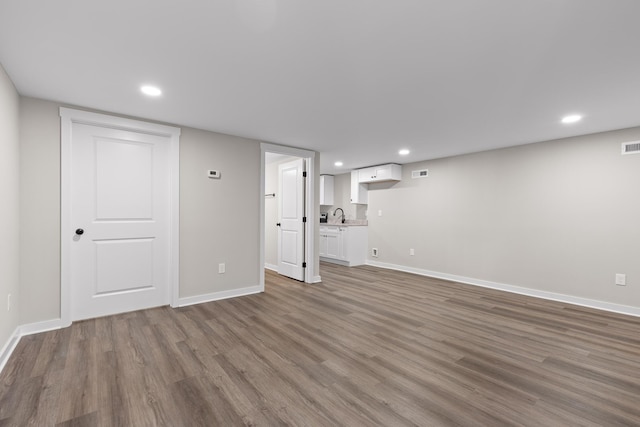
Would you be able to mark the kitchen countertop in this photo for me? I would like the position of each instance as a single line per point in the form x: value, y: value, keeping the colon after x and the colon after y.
x: 347, y: 223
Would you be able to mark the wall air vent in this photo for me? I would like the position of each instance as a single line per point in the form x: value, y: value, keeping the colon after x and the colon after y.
x: 632, y: 147
x: 420, y: 174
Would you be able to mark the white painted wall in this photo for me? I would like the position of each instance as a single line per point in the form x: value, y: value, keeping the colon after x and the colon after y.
x: 559, y: 216
x: 9, y: 208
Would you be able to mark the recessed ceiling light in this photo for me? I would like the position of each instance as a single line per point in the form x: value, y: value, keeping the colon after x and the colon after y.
x: 571, y: 118
x: 151, y: 90
x: 404, y: 152
x: 338, y: 164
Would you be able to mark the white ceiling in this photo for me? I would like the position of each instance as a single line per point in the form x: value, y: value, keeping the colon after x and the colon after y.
x: 354, y: 79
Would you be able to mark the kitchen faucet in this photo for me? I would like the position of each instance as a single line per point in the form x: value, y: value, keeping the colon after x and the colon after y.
x: 334, y: 213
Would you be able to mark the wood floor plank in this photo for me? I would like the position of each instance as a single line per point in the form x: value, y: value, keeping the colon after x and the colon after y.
x: 201, y: 403
x: 15, y: 376
x: 112, y: 393
x: 246, y: 397
x: 53, y: 352
x: 365, y: 347
x: 80, y: 377
x: 81, y: 421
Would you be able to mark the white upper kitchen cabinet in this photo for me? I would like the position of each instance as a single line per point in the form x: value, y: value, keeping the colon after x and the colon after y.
x: 381, y: 173
x: 326, y: 190
x: 358, y: 190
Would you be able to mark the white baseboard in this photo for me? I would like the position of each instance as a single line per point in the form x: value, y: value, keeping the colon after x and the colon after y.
x: 215, y: 296
x: 8, y: 348
x: 272, y: 267
x: 21, y: 331
x: 37, y: 327
x: 601, y: 305
x: 335, y: 261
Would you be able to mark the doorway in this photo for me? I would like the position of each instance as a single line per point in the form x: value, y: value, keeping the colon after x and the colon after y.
x: 278, y: 250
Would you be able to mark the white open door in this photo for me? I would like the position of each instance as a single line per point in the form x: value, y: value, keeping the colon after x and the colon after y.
x: 119, y: 231
x: 291, y: 219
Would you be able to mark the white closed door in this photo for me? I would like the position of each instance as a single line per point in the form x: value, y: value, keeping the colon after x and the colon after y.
x: 290, y: 219
x: 120, y: 206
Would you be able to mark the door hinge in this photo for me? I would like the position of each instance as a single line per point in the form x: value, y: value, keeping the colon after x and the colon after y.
x: 304, y: 219
x: 304, y: 174
x: 304, y: 265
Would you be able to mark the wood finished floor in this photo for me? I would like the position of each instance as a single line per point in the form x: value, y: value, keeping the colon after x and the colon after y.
x: 366, y: 347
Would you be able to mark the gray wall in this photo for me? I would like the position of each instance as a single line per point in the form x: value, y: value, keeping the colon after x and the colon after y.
x: 9, y: 208
x: 219, y: 220
x: 39, y: 210
x: 559, y: 216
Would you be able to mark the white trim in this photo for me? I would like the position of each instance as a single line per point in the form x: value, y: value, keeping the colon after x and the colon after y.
x: 340, y: 262
x: 68, y: 117
x: 215, y: 296
x: 174, y: 245
x: 335, y: 261
x: 23, y: 330
x: 271, y: 267
x: 114, y: 122
x: 8, y: 348
x: 600, y: 305
x: 309, y: 156
x: 37, y: 327
x: 261, y: 241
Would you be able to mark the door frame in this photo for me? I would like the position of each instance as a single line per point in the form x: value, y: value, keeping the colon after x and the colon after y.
x: 70, y: 116
x: 310, y: 228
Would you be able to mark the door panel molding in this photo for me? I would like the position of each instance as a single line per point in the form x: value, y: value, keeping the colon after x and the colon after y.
x: 69, y: 117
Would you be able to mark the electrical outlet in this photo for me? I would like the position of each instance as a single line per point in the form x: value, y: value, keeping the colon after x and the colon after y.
x: 9, y: 302
x: 412, y: 252
x: 221, y: 268
x: 621, y: 279
x: 380, y: 212
x: 374, y: 252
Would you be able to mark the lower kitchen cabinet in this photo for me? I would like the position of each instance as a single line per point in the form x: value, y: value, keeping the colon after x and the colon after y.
x: 343, y: 244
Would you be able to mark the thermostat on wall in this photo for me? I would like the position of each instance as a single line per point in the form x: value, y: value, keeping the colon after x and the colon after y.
x: 213, y: 174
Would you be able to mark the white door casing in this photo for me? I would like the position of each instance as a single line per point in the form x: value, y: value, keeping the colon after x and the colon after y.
x: 120, y: 187
x: 291, y: 231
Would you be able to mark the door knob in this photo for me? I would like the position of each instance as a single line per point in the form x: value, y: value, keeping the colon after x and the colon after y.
x: 278, y: 224
x: 79, y: 231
